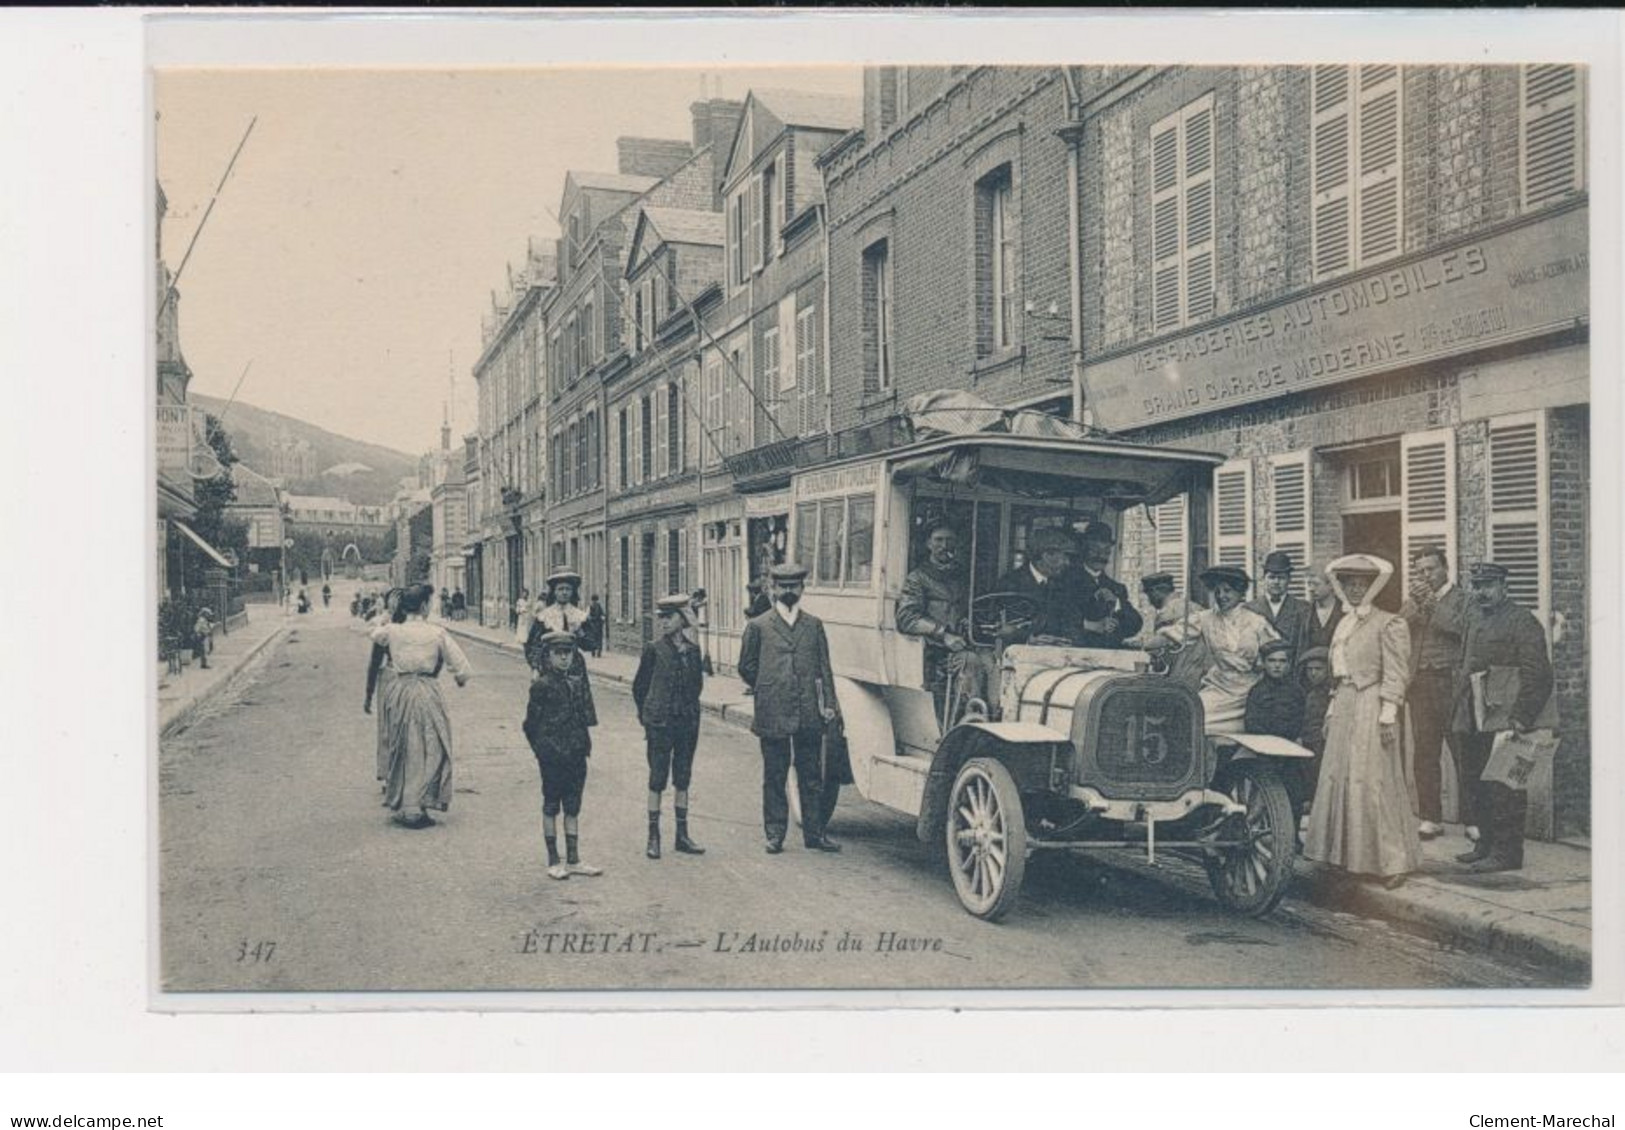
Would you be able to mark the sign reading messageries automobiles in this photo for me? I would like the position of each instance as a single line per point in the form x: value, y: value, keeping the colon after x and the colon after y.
x: 1521, y: 283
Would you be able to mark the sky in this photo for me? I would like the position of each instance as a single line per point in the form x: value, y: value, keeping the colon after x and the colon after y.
x: 353, y: 251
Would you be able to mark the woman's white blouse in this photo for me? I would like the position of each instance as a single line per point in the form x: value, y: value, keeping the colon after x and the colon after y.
x: 418, y: 647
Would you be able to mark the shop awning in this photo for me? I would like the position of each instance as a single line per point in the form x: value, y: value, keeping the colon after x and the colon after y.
x: 219, y: 558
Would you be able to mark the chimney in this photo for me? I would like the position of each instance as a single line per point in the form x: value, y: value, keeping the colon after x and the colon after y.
x: 715, y: 122
x: 651, y: 156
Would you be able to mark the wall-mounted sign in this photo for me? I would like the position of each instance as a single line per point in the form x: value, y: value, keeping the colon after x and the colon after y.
x: 841, y: 480
x: 1521, y: 283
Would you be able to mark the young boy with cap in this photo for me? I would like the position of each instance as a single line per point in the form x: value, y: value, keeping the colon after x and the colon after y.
x: 556, y: 724
x: 1275, y: 704
x: 667, y: 692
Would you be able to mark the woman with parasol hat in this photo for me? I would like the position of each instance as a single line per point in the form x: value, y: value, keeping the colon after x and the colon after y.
x: 1361, y: 817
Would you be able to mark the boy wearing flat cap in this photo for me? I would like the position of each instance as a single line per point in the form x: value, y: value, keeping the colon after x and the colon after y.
x: 1275, y: 704
x: 667, y: 692
x: 556, y: 724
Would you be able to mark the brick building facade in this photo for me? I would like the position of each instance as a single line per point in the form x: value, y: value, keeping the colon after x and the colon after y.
x: 1367, y: 286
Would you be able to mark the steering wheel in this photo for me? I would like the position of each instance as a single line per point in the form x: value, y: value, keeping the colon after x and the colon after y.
x: 994, y: 610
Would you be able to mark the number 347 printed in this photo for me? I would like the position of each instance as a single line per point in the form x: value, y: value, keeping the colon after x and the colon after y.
x: 255, y: 953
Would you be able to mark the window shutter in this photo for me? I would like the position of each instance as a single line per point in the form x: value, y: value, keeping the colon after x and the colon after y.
x: 1173, y: 542
x: 1552, y: 137
x: 1233, y: 514
x: 1198, y: 236
x: 1165, y: 238
x: 1329, y: 173
x: 662, y: 437
x: 1291, y: 525
x: 684, y: 579
x: 637, y: 442
x: 753, y: 202
x: 782, y: 180
x: 1380, y: 130
x: 1517, y: 506
x: 1427, y: 483
x: 787, y: 354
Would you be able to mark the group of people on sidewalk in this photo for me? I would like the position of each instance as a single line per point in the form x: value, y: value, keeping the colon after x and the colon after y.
x: 1353, y: 684
x: 784, y: 658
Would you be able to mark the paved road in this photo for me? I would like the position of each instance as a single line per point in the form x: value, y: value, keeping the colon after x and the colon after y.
x: 280, y: 871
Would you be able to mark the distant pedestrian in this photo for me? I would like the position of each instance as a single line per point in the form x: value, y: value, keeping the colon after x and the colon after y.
x: 202, y: 630
x: 667, y: 692
x: 419, y: 775
x: 1361, y: 821
x: 304, y: 602
x: 517, y: 619
x: 593, y: 640
x: 557, y: 719
x: 459, y: 605
x: 327, y: 595
x: 784, y: 658
x: 1505, y: 644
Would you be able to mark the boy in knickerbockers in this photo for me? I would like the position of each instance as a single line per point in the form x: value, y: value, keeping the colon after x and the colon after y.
x: 556, y: 724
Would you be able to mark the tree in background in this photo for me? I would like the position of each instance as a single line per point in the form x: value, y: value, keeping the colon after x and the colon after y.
x: 212, y: 496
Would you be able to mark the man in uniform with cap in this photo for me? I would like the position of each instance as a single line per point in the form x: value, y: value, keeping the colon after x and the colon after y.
x: 933, y: 605
x: 667, y: 692
x: 1107, y: 618
x: 784, y: 659
x: 1500, y: 634
x: 1043, y: 581
x: 556, y: 723
x: 1287, y: 614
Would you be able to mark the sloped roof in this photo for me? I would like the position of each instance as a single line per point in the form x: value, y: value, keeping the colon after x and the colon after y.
x: 812, y: 111
x: 684, y: 225
x: 253, y: 488
x: 613, y: 182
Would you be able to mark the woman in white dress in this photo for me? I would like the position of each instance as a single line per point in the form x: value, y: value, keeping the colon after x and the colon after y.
x: 419, y: 729
x: 1361, y: 819
x: 521, y: 617
x: 1233, y: 634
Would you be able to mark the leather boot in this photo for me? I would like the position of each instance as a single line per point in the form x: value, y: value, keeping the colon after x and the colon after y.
x: 653, y: 850
x: 684, y: 844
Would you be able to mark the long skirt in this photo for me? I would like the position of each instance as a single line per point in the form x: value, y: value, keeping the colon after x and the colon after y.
x: 1361, y: 819
x: 386, y: 677
x: 419, y: 744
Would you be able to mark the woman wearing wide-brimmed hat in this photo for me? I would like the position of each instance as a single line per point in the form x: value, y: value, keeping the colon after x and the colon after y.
x: 560, y: 611
x: 1361, y: 818
x: 1233, y: 634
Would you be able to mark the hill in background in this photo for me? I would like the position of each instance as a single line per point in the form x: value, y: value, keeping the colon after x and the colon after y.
x: 255, y: 431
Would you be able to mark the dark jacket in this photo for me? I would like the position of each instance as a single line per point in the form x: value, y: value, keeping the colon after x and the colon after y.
x: 784, y: 665
x: 1313, y: 635
x: 1275, y: 706
x: 932, y: 602
x: 1098, y: 599
x: 1438, y: 630
x: 667, y: 685
x: 1291, y: 622
x: 1508, y: 636
x: 1312, y: 735
x: 559, y: 715
x: 1058, y: 613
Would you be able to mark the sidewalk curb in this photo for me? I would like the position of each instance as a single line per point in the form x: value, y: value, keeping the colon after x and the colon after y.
x: 187, y: 713
x: 1484, y: 929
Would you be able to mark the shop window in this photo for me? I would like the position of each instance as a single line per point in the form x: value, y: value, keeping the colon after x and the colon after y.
x: 1355, y: 166
x: 1183, y: 248
x: 1552, y: 135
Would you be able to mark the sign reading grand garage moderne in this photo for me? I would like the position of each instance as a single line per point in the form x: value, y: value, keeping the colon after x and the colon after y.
x: 1520, y: 283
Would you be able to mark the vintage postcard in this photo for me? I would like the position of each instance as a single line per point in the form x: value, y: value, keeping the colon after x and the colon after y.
x: 876, y: 524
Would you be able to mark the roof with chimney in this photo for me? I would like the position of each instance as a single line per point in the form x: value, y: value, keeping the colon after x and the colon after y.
x: 812, y: 111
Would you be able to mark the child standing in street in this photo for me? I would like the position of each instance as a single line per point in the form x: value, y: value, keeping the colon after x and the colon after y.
x: 667, y: 691
x: 556, y: 724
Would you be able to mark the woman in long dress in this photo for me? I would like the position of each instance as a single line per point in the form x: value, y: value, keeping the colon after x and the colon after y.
x: 1233, y: 635
x: 1361, y: 818
x: 379, y: 676
x: 419, y: 776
